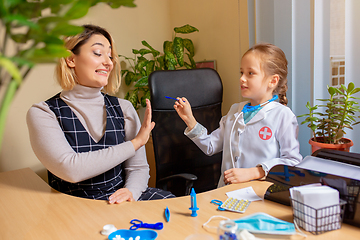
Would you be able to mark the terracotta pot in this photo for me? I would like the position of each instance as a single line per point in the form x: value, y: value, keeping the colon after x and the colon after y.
x: 341, y: 147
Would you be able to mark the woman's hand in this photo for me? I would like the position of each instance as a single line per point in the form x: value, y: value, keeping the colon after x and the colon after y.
x: 183, y: 108
x: 121, y: 195
x: 239, y: 175
x: 147, y: 126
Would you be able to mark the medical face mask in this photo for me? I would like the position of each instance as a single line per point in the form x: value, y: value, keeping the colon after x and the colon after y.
x: 265, y: 224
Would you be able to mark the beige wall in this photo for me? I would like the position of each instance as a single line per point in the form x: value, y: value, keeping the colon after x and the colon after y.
x: 217, y: 39
x: 152, y: 21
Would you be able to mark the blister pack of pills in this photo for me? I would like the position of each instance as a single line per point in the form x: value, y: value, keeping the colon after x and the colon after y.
x: 236, y: 205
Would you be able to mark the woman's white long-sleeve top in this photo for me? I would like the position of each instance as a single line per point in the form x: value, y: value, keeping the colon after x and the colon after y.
x: 53, y: 150
x: 267, y: 140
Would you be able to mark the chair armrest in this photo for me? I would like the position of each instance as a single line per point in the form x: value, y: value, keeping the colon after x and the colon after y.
x: 190, y: 178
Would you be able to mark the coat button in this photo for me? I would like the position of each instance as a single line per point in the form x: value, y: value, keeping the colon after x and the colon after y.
x: 236, y: 159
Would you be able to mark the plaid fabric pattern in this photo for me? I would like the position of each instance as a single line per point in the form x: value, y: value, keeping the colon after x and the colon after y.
x: 154, y: 194
x: 105, y: 184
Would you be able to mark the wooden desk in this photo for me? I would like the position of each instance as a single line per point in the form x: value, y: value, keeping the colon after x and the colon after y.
x: 30, y: 209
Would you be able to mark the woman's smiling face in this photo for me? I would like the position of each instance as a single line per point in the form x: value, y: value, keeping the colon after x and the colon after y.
x: 94, y: 63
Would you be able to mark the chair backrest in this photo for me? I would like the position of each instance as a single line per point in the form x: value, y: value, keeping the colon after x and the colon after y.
x: 174, y: 152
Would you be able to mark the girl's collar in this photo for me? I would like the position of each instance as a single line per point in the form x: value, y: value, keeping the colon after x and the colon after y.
x: 248, y: 108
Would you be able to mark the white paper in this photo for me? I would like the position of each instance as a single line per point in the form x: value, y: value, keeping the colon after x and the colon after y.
x: 330, y: 167
x: 324, y: 200
x: 244, y: 193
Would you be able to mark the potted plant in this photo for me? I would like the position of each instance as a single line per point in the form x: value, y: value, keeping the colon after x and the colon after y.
x: 147, y: 60
x: 328, y: 127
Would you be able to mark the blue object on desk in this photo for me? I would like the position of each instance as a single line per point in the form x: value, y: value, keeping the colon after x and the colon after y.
x: 219, y: 203
x: 136, y: 223
x: 167, y: 214
x: 286, y: 173
x: 126, y: 234
x: 193, y: 207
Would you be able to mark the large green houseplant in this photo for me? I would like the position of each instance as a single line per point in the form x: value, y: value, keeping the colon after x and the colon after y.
x: 146, y: 60
x: 329, y: 126
x: 31, y: 33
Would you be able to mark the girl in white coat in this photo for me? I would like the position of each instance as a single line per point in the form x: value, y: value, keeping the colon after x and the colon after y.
x: 257, y: 134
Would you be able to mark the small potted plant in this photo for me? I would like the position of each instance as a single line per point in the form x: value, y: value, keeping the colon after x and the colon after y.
x: 328, y: 127
x: 147, y: 60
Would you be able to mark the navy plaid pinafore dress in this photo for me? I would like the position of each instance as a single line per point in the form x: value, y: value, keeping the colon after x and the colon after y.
x: 101, y: 186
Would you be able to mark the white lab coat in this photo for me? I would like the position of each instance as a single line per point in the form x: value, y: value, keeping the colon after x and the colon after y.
x: 268, y: 139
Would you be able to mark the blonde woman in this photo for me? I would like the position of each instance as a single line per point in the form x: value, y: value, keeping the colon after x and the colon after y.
x: 92, y: 143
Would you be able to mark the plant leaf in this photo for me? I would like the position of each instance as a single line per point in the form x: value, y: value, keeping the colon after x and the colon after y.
x: 17, y: 19
x: 351, y: 87
x: 179, y: 50
x: 117, y: 3
x: 150, y: 67
x: 188, y: 44
x: 168, y: 46
x: 129, y: 78
x: 133, y: 98
x: 65, y: 29
x: 78, y: 10
x: 142, y: 82
x: 170, y: 58
x: 153, y: 51
x: 192, y: 61
x: 11, y: 68
x: 331, y: 90
x: 186, y: 29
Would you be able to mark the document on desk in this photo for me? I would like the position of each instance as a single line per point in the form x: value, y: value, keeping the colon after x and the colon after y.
x: 330, y: 167
x: 244, y: 193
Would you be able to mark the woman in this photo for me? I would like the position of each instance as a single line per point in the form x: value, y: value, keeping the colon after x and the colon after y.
x: 91, y: 143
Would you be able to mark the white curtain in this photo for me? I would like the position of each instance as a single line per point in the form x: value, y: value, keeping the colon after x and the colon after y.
x: 352, y: 58
x: 302, y: 30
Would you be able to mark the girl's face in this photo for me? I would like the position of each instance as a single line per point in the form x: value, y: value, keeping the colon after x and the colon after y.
x: 93, y: 64
x: 254, y: 84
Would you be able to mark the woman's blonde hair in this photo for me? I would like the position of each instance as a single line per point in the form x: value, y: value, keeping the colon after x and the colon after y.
x: 66, y: 76
x: 273, y: 61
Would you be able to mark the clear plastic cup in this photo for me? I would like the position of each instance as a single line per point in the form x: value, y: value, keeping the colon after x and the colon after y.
x: 227, y: 230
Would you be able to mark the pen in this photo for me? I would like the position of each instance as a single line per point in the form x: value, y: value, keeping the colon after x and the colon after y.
x: 173, y: 98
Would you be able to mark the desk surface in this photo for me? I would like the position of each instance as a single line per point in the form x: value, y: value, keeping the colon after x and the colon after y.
x: 30, y: 209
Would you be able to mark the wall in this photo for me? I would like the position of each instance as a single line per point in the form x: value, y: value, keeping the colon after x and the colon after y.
x: 152, y: 21
x: 217, y: 39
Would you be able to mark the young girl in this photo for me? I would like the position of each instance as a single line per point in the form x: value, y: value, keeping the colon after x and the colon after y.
x: 257, y: 134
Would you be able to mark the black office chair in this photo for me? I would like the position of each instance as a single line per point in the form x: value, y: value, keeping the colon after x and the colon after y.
x: 176, y: 156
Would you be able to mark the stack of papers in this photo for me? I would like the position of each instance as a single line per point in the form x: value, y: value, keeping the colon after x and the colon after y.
x: 317, y: 207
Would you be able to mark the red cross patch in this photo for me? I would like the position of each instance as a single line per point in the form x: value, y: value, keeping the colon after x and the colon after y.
x: 265, y: 133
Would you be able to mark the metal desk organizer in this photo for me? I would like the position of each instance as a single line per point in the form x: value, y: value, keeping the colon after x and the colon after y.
x: 348, y: 188
x: 320, y: 220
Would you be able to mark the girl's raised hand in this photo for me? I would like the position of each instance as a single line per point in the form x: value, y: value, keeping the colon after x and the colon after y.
x: 183, y: 108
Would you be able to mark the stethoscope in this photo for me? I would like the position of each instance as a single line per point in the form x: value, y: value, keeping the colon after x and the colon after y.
x: 248, y: 108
